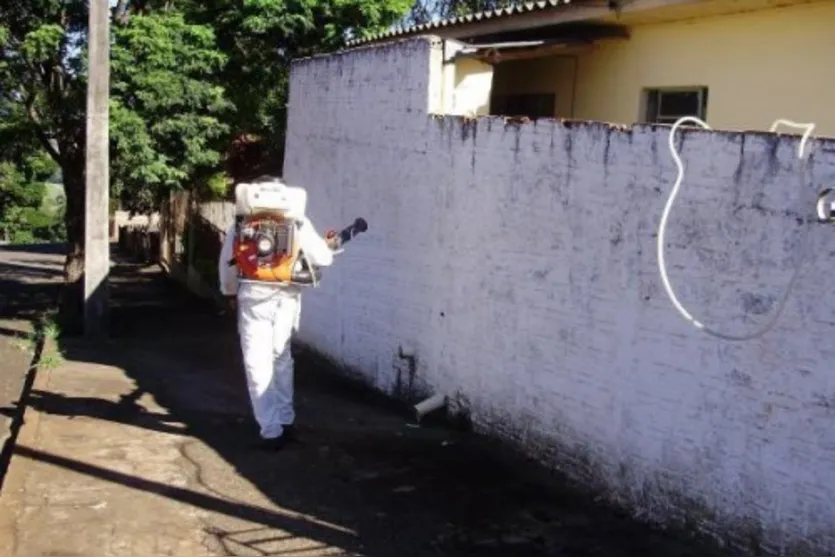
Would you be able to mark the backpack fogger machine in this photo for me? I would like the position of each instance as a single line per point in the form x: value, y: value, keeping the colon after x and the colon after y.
x: 269, y: 217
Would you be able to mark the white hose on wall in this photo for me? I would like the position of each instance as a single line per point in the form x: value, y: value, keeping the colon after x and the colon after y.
x: 662, y: 230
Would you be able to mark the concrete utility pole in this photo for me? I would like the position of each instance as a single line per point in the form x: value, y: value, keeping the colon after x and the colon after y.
x: 97, y: 206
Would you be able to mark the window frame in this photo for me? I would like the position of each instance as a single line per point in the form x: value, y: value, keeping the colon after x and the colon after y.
x: 648, y: 103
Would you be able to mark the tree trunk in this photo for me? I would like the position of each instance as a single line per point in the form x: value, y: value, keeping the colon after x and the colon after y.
x: 71, y: 303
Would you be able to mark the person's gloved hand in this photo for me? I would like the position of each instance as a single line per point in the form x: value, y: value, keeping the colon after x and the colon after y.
x: 331, y: 238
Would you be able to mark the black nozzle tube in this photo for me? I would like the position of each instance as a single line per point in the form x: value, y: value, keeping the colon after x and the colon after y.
x: 359, y: 226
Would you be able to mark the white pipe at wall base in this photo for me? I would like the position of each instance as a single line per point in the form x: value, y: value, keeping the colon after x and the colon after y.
x: 406, y: 351
x: 429, y: 405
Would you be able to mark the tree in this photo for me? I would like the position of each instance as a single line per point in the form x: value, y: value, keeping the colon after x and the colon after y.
x: 168, y: 108
x: 167, y: 104
x: 19, y: 201
x: 424, y: 11
x: 24, y: 168
x: 261, y: 38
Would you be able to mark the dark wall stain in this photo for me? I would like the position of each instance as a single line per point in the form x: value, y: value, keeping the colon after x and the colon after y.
x: 757, y: 206
x: 617, y: 234
x: 773, y: 161
x: 469, y: 128
x: 740, y: 167
x: 541, y: 274
x: 740, y: 378
x: 568, y: 145
x: 756, y: 304
x: 824, y: 401
x: 515, y: 124
x: 404, y: 387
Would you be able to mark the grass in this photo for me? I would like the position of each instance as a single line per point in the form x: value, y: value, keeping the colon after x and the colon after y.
x: 44, y: 340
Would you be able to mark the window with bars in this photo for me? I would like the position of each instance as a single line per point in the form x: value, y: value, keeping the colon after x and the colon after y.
x: 665, y: 106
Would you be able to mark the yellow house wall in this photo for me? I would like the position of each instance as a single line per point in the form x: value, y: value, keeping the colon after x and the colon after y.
x: 472, y: 83
x: 758, y: 66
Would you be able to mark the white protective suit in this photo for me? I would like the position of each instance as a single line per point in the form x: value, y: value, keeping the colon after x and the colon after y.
x: 268, y: 314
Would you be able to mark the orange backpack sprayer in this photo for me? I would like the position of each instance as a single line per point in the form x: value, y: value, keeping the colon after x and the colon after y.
x: 268, y: 219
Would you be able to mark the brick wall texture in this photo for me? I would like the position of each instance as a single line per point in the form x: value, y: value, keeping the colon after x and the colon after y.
x: 518, y: 262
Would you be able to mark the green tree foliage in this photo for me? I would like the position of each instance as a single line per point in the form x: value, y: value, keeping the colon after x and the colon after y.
x: 261, y: 37
x: 424, y: 11
x: 167, y: 108
x: 167, y: 103
x: 19, y: 202
x: 26, y: 216
x: 24, y: 168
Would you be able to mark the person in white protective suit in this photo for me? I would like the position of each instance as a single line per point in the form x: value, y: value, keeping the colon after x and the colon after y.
x: 268, y: 311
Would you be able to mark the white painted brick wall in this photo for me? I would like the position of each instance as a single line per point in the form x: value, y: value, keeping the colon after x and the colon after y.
x: 519, y: 261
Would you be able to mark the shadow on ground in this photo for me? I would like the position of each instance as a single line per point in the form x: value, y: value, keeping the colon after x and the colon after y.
x: 368, y: 483
x: 30, y: 276
x: 29, y: 279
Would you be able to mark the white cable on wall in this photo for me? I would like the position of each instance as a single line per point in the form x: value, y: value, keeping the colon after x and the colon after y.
x: 662, y: 229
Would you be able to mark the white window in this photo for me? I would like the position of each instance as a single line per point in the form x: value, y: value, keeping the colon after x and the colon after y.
x: 665, y: 106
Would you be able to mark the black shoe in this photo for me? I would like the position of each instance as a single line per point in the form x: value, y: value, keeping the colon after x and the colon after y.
x: 291, y: 434
x: 275, y: 444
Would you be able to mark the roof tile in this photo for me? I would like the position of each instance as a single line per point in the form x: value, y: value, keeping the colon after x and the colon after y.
x: 525, y: 7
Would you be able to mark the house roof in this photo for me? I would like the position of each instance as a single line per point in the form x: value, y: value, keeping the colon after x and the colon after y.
x: 500, y: 13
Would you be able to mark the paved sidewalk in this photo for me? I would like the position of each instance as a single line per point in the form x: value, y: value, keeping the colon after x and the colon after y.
x: 15, y: 363
x: 140, y: 448
x: 29, y: 280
